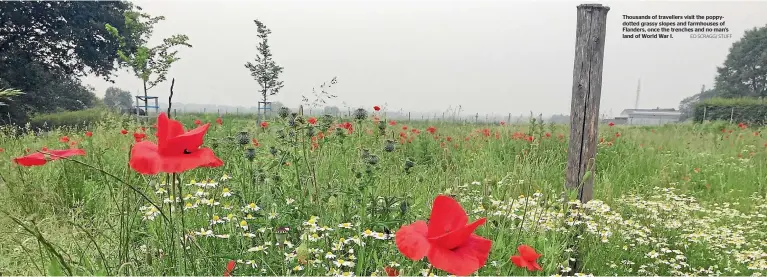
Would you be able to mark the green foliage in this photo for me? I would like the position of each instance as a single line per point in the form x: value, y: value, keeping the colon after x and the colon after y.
x: 118, y: 98
x: 62, y: 36
x: 72, y: 119
x: 150, y: 64
x: 6, y: 94
x: 744, y: 73
x: 92, y: 215
x: 265, y: 70
x: 46, y: 46
x: 746, y: 110
x: 45, y: 92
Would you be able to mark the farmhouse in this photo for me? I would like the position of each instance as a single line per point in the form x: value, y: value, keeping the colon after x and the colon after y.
x: 655, y: 116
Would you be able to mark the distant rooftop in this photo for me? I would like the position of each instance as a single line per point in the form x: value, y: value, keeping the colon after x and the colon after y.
x: 656, y: 111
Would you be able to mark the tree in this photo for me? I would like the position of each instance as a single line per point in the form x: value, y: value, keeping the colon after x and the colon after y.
x: 744, y: 73
x: 118, y: 98
x: 63, y: 36
x: 687, y: 105
x: 150, y: 64
x: 45, y: 46
x: 45, y: 91
x: 265, y: 70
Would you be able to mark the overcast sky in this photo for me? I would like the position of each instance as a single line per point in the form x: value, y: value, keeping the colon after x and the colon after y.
x: 491, y: 57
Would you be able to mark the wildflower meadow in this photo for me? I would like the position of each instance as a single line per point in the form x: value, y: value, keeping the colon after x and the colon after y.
x: 367, y: 195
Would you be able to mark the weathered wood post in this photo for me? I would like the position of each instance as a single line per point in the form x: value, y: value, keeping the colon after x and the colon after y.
x: 587, y: 90
x: 584, y: 111
x: 732, y: 113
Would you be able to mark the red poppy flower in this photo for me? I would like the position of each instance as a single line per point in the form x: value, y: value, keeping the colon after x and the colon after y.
x: 264, y: 124
x: 392, y: 123
x: 64, y: 139
x: 176, y: 151
x: 220, y: 121
x: 197, y: 122
x: 138, y: 136
x: 312, y: 120
x: 229, y: 268
x: 527, y: 258
x: 503, y: 123
x: 124, y: 132
x: 431, y: 129
x: 255, y: 142
x: 447, y: 240
x: 390, y: 271
x: 376, y: 108
x: 611, y: 124
x: 88, y: 134
x: 40, y: 158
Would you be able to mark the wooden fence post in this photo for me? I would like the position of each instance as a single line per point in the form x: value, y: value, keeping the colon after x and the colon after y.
x: 732, y: 113
x: 586, y: 93
x: 584, y: 111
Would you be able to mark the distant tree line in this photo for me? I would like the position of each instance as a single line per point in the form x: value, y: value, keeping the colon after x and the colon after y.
x: 743, y: 74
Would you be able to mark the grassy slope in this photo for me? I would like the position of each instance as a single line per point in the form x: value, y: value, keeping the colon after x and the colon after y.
x: 677, y: 199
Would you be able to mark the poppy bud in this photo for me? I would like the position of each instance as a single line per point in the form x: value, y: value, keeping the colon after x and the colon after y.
x: 243, y: 138
x: 310, y: 131
x: 250, y: 154
x: 281, y: 234
x: 373, y: 159
x: 390, y: 146
x: 403, y: 207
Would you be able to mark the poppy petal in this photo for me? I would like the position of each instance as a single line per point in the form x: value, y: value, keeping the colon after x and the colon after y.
x: 411, y: 240
x: 457, y: 237
x: 208, y: 158
x: 390, y: 271
x: 446, y: 216
x: 528, y: 253
x: 533, y: 266
x: 34, y: 159
x: 144, y: 158
x: 167, y: 128
x: 519, y: 261
x: 203, y: 157
x: 187, y: 141
x: 463, y: 260
x: 66, y: 153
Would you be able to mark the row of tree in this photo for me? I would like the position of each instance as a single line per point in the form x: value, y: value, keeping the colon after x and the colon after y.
x: 743, y: 74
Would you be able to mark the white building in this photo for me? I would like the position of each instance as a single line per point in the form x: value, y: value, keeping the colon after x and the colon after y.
x: 655, y: 116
